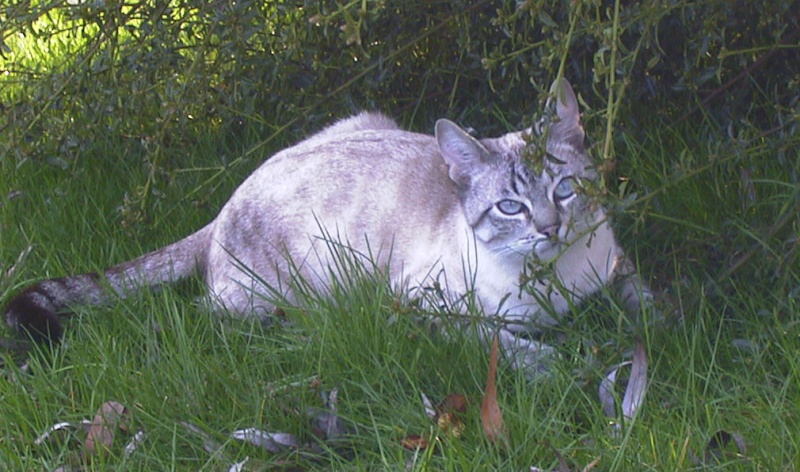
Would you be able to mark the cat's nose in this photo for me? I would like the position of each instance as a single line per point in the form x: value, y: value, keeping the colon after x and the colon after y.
x: 549, y: 231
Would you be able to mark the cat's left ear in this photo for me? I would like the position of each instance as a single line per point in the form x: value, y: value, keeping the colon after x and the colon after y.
x: 462, y: 153
x: 569, y: 115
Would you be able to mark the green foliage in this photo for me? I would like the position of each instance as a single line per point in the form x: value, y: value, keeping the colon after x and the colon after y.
x: 177, y: 68
x: 162, y: 76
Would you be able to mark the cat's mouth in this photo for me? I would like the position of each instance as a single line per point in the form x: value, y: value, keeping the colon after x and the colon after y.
x: 541, y: 248
x: 546, y: 248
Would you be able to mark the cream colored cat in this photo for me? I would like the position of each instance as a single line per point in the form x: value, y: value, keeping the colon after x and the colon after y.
x: 465, y: 214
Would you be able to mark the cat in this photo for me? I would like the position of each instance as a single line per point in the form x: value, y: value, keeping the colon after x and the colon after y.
x: 461, y: 214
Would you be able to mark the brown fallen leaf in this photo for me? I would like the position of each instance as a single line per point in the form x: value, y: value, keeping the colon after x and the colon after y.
x: 452, y: 403
x: 451, y: 423
x: 449, y: 414
x: 110, y: 417
x: 414, y: 442
x: 491, y: 416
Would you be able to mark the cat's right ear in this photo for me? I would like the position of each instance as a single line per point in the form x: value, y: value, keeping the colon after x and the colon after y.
x: 568, y: 125
x: 460, y: 151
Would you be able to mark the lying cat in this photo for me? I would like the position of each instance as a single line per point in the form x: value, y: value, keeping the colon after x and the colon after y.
x: 462, y: 214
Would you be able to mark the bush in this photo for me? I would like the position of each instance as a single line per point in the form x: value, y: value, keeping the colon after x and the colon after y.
x: 164, y: 71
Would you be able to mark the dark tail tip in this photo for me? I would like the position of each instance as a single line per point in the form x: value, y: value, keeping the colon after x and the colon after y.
x: 29, y: 313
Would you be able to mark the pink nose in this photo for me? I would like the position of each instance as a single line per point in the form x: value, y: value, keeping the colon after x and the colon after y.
x: 549, y: 231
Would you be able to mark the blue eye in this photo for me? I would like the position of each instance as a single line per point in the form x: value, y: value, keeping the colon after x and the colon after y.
x: 510, y: 207
x: 564, y: 189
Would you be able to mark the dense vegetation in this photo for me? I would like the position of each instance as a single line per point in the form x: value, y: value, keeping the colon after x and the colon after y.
x: 125, y: 124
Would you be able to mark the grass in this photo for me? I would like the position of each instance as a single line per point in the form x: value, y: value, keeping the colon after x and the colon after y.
x: 728, y: 362
x: 713, y: 223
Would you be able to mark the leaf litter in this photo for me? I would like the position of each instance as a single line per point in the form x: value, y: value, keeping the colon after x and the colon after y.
x: 328, y: 427
x: 448, y: 415
x: 111, y: 418
x: 491, y: 414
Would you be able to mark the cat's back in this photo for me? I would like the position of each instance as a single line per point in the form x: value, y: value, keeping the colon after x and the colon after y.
x: 378, y: 189
x: 366, y: 149
x: 336, y: 164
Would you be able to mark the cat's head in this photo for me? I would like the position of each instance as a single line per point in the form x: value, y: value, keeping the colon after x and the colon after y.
x: 516, y: 207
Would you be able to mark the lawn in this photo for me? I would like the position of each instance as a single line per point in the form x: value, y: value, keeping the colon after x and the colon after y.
x: 709, y: 214
x: 723, y: 356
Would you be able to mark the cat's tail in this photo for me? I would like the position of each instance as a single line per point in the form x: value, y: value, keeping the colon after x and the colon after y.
x: 36, y: 309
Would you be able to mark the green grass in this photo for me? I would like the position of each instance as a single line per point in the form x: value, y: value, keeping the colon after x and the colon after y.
x: 721, y: 249
x: 98, y: 168
x: 727, y: 358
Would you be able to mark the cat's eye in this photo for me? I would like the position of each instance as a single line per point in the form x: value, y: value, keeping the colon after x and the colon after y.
x: 510, y: 207
x: 564, y: 189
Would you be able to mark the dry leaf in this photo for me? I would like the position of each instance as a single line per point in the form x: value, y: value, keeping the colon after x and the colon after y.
x: 635, y: 391
x: 327, y: 424
x: 428, y: 405
x: 448, y: 414
x: 209, y: 445
x: 272, y: 442
x: 47, y: 435
x: 450, y: 423
x: 135, y: 442
x: 414, y: 442
x: 239, y: 466
x: 637, y: 384
x: 491, y: 416
x: 110, y: 417
x: 453, y: 403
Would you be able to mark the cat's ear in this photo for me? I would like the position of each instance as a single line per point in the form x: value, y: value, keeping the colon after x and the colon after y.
x: 569, y: 116
x: 462, y: 153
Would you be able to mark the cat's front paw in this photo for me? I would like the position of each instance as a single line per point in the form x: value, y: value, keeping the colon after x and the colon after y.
x: 533, y: 358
